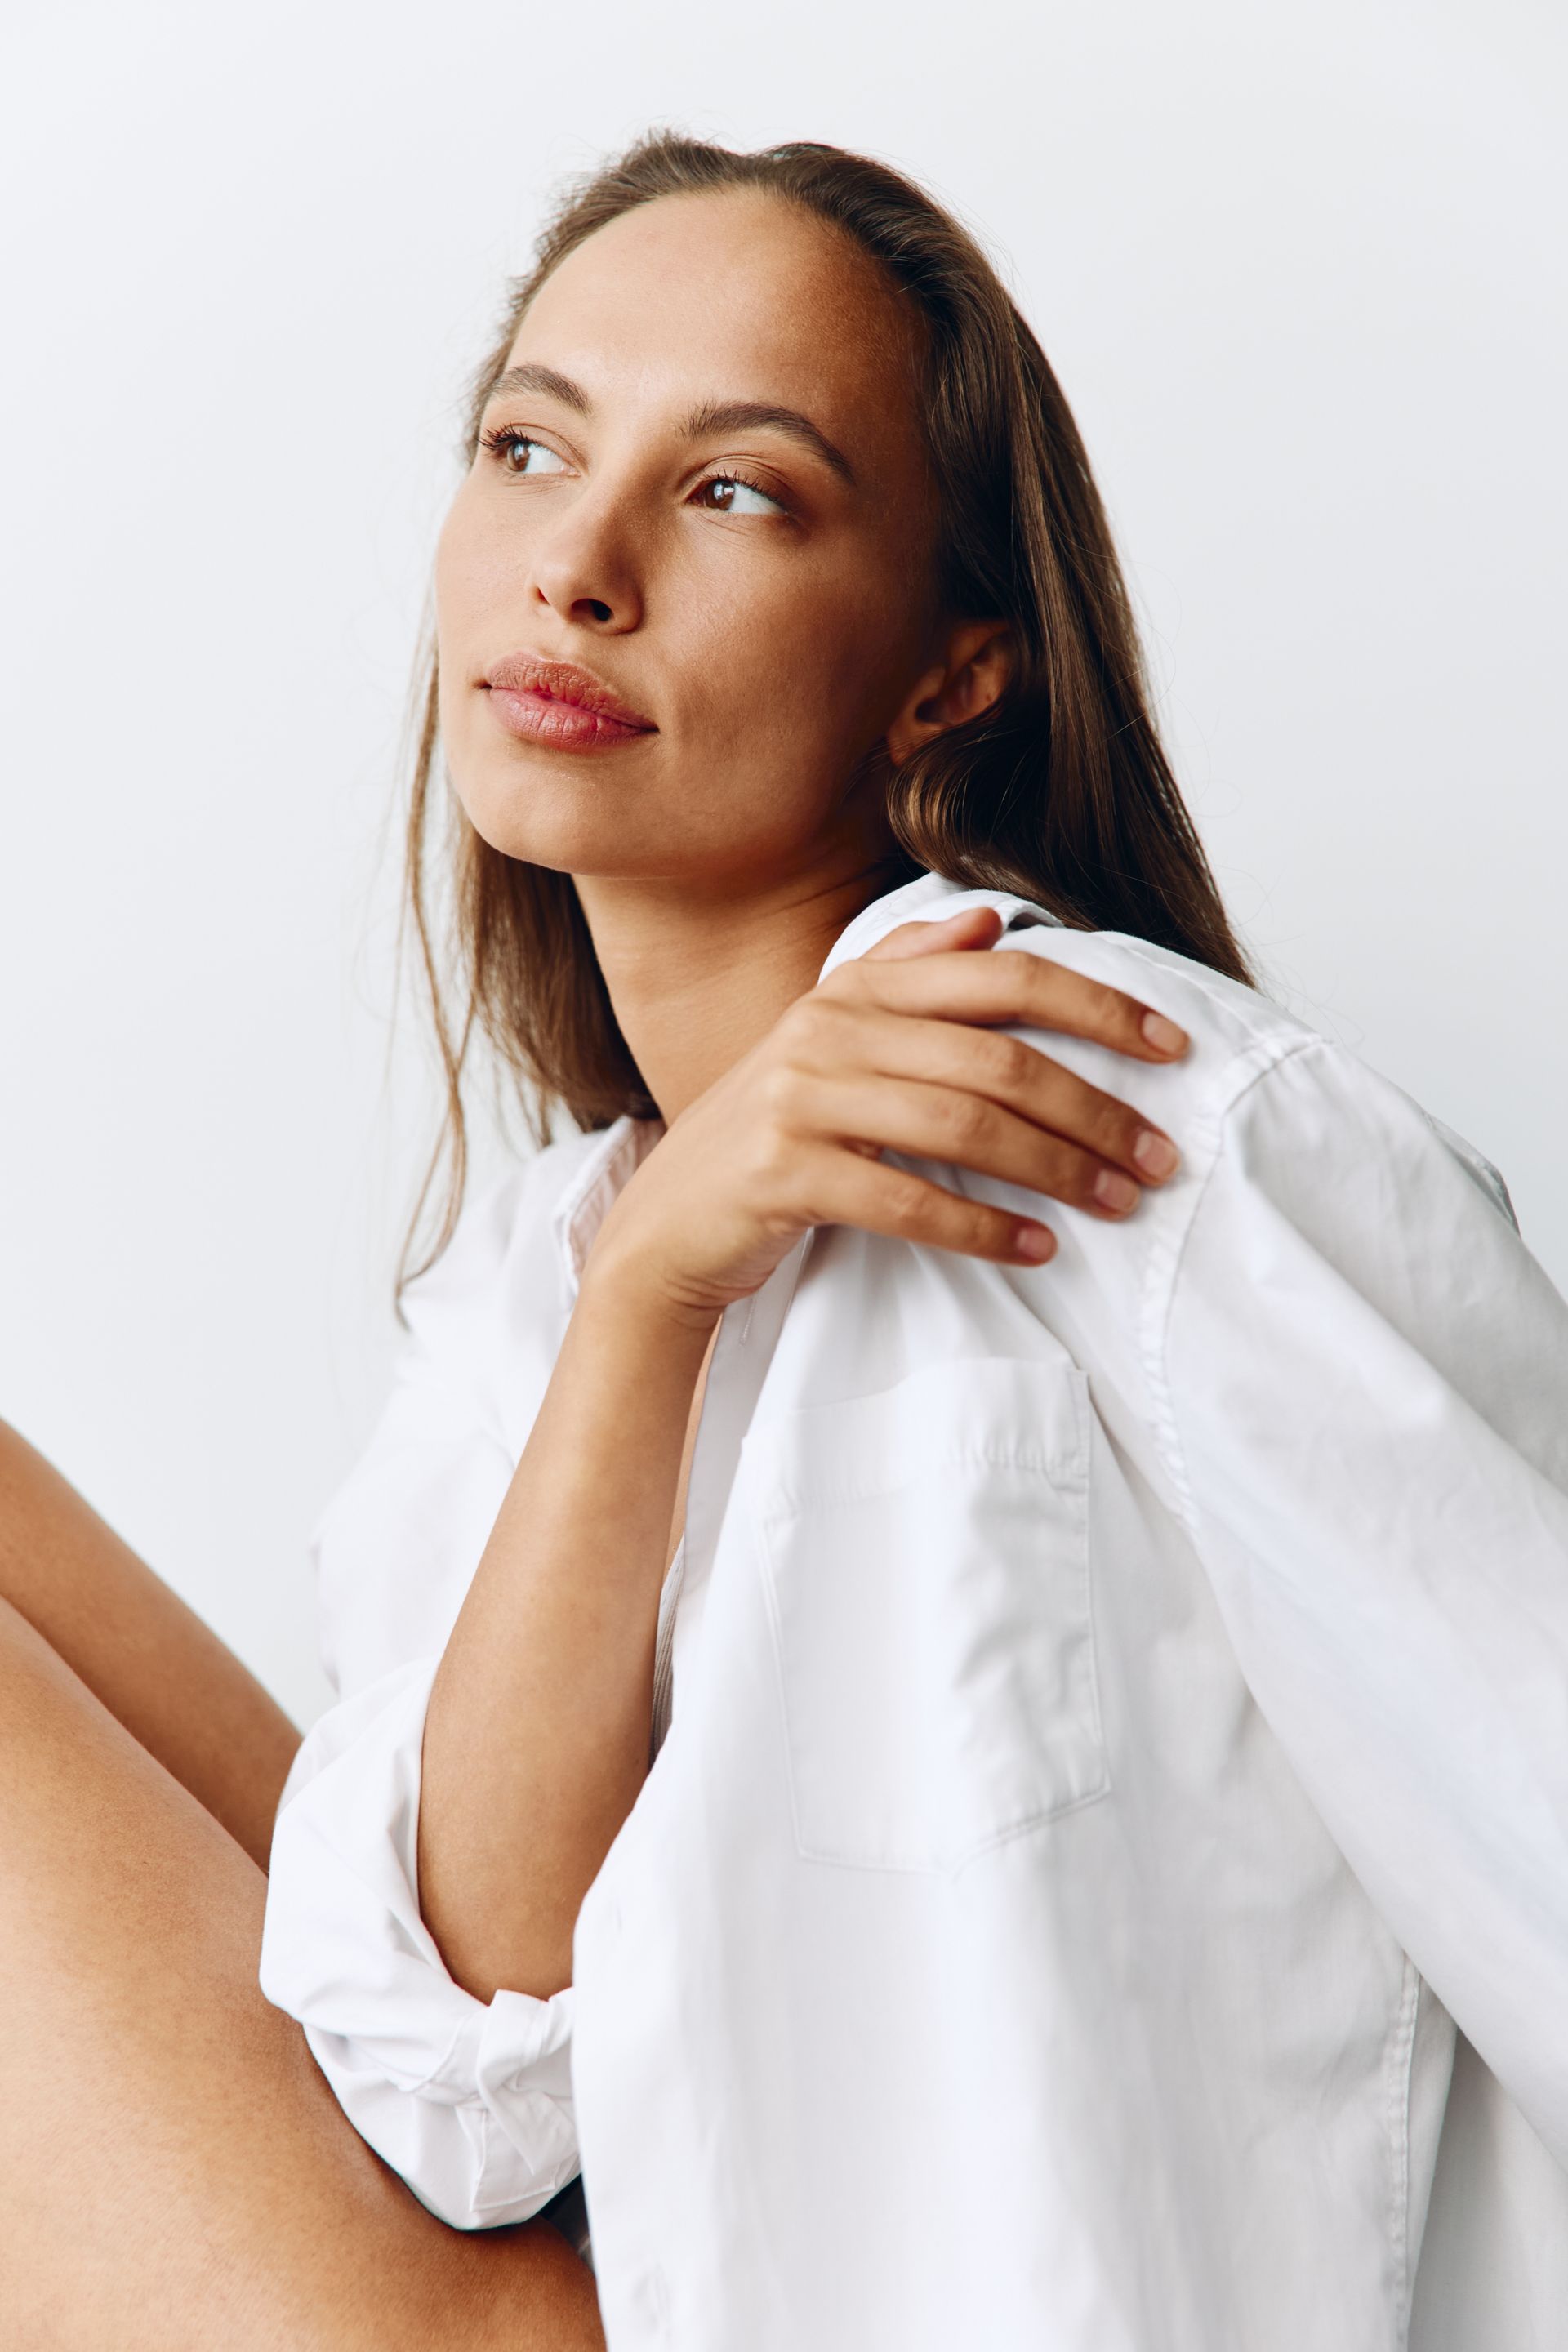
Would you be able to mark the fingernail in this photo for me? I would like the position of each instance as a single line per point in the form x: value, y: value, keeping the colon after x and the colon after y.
x: 1163, y: 1034
x: 1114, y: 1191
x: 1155, y: 1154
x: 1035, y: 1242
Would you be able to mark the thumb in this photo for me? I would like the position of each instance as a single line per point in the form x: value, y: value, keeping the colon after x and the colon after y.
x: 972, y: 926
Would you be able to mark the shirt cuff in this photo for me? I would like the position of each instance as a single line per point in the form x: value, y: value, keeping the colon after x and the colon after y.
x: 469, y: 2101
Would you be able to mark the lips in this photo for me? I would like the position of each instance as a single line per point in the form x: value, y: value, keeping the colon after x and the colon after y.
x: 560, y: 705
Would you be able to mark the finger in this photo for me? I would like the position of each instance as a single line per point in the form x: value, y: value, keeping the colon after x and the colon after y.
x: 1011, y: 986
x: 972, y: 926
x: 967, y: 1130
x: 839, y: 1187
x: 861, y: 1038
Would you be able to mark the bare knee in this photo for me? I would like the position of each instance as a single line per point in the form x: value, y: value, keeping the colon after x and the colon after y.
x: 171, y: 2158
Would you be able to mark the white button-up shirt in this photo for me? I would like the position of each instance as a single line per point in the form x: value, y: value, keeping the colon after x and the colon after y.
x: 1119, y: 1723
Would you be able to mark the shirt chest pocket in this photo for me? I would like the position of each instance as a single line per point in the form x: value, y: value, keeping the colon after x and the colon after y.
x: 925, y: 1559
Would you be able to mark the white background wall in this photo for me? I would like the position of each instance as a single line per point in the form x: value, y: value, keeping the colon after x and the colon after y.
x: 1301, y: 273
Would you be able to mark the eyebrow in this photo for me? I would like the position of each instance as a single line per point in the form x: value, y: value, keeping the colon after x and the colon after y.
x: 709, y: 417
x: 548, y: 379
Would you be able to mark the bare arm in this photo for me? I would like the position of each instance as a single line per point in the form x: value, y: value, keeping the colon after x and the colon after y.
x: 536, y: 1742
x: 536, y: 1739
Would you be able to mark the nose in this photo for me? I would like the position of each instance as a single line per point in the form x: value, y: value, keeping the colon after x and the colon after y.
x: 586, y: 570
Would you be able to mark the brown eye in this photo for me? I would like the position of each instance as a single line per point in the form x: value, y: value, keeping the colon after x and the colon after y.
x: 731, y: 495
x: 518, y: 453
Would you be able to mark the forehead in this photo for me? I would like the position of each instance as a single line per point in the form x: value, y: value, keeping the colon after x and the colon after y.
x: 736, y: 294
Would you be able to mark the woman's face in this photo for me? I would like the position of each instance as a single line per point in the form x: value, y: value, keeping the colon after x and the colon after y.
x: 703, y: 482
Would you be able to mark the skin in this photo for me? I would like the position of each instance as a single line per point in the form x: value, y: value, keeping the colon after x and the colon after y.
x: 173, y: 2171
x: 175, y: 2174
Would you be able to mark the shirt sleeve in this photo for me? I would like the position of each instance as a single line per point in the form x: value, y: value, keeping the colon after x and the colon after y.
x: 1360, y: 1388
x: 469, y: 2101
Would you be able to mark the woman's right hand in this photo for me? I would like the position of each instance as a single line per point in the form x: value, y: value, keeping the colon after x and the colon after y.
x: 890, y: 1052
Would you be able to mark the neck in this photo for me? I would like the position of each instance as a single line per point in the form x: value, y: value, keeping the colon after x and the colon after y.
x: 697, y: 977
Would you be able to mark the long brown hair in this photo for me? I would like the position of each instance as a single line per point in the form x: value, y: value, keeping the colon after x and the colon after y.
x: 1060, y: 792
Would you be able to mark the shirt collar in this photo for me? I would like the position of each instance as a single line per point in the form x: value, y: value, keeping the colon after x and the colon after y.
x: 612, y: 1155
x: 610, y: 1158
x: 929, y: 898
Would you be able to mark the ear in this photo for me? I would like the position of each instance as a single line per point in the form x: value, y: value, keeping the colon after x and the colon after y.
x: 969, y: 672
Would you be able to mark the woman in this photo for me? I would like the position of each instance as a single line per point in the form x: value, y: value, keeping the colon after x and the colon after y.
x: 1106, y: 1684
x: 1113, y: 1691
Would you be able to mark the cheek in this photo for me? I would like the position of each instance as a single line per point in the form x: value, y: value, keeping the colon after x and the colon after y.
x: 811, y: 661
x: 452, y: 629
x: 458, y: 578
x: 469, y: 581
x: 464, y: 606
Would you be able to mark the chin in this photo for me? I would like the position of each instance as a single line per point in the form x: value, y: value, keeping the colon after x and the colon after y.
x: 567, y: 840
x: 543, y: 816
x: 578, y: 818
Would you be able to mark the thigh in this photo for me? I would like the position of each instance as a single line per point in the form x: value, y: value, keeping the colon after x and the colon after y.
x: 175, y: 2174
x: 177, y: 1689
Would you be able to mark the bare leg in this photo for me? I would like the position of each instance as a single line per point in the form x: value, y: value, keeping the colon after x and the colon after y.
x: 175, y: 2174
x: 163, y: 1673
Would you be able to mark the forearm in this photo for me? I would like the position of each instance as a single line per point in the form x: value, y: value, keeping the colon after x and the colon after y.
x: 536, y: 1741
